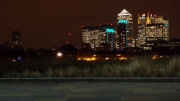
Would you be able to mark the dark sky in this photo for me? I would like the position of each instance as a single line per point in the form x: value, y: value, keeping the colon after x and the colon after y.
x: 46, y: 23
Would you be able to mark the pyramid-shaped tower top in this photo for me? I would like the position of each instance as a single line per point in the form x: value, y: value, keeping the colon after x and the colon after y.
x: 124, y: 12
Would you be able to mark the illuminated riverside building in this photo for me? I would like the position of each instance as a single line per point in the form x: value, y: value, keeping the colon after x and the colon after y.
x: 8, y: 46
x: 151, y: 29
x: 92, y: 35
x: 16, y: 38
x: 100, y: 37
x: 109, y: 32
x: 125, y: 30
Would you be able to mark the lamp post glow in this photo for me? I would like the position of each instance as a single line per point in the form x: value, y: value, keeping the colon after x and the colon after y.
x: 59, y: 54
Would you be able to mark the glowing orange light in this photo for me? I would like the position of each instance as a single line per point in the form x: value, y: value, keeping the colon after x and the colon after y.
x: 82, y: 26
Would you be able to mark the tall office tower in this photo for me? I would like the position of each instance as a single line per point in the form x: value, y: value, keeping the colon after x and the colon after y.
x: 101, y: 37
x: 109, y: 32
x: 151, y: 29
x: 125, y: 30
x: 91, y: 35
x: 16, y: 39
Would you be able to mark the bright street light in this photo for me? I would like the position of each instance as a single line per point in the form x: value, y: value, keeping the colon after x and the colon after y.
x: 59, y: 54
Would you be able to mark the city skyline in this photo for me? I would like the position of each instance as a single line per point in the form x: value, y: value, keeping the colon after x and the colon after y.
x: 46, y: 23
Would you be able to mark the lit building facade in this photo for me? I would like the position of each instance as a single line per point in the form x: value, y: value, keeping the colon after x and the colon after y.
x: 8, y: 46
x: 125, y: 30
x: 151, y: 29
x: 100, y: 37
x: 16, y: 39
x: 109, y: 34
x: 92, y: 35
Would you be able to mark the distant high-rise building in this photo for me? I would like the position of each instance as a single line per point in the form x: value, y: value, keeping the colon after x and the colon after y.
x: 99, y: 37
x: 125, y: 30
x: 109, y: 35
x: 16, y: 39
x: 151, y: 29
x: 8, y: 46
x: 91, y: 35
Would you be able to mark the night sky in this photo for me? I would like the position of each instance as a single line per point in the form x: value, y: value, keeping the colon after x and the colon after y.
x: 47, y: 23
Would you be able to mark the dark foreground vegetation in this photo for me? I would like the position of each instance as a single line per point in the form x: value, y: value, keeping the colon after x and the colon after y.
x: 46, y: 68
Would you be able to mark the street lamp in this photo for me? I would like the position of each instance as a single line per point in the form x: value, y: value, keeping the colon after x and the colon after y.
x: 59, y: 54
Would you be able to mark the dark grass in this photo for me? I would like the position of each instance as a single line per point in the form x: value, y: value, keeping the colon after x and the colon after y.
x: 68, y: 67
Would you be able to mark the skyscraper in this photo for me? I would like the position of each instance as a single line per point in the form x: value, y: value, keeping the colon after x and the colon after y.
x: 16, y: 39
x: 99, y: 37
x: 92, y: 35
x: 151, y: 29
x: 109, y: 32
x: 125, y: 30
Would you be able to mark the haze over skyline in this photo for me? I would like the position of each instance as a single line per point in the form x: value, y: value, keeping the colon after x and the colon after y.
x: 47, y: 23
